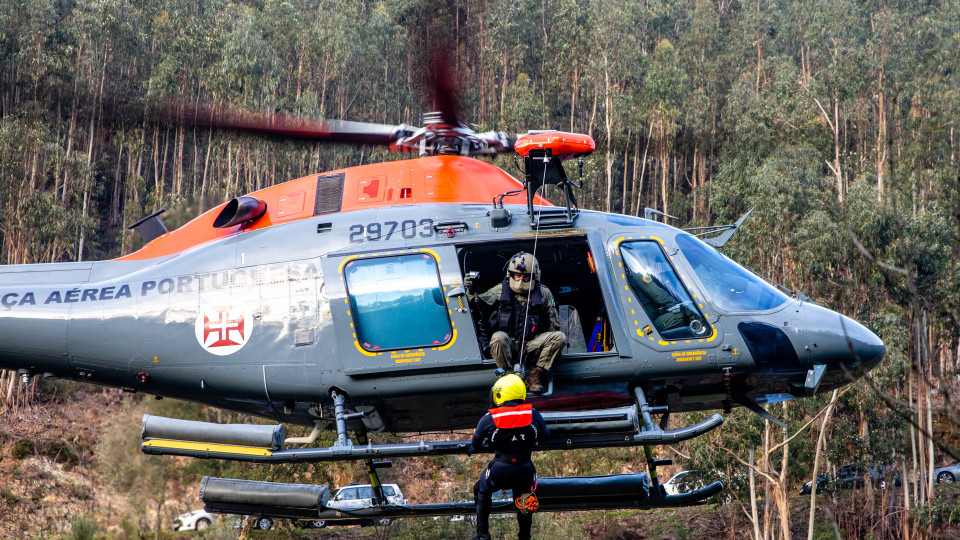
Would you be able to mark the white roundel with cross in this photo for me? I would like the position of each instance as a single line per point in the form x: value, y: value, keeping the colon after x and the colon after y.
x: 223, y: 330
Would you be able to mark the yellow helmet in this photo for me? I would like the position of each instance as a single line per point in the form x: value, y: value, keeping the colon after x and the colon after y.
x: 508, y: 388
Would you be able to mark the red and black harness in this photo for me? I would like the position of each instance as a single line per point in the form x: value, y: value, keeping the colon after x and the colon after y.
x: 515, y: 434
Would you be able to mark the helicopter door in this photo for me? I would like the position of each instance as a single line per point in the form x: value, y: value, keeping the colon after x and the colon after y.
x: 401, y: 311
x: 569, y: 271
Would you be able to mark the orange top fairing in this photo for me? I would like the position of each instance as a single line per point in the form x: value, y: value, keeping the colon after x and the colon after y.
x: 438, y: 179
x: 562, y: 144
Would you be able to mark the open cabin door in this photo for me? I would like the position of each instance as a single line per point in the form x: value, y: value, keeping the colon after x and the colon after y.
x: 402, y: 310
x: 569, y: 272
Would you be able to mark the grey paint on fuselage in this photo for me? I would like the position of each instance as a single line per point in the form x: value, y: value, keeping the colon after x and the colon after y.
x: 108, y: 322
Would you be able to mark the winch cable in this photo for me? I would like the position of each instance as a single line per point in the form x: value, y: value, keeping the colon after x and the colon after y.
x: 533, y: 281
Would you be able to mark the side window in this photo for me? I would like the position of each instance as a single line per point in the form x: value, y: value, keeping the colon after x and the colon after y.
x: 397, y: 302
x: 664, y: 299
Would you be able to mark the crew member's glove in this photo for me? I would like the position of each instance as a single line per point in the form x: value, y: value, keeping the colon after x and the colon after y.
x: 469, y: 450
x: 468, y: 283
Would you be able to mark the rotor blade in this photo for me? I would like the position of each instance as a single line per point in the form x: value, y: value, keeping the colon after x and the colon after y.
x: 279, y: 125
x: 442, y: 88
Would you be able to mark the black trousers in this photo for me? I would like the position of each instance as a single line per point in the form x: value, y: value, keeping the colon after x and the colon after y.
x: 518, y: 478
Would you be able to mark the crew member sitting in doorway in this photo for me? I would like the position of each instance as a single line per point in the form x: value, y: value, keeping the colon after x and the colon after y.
x: 523, y: 320
x: 513, y: 429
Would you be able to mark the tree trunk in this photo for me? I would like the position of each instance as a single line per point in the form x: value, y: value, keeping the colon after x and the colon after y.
x: 754, y: 518
x: 816, y: 463
x: 73, y: 124
x: 89, y: 172
x: 608, y: 117
x: 881, y: 158
x: 639, y: 191
x: 766, y: 484
x: 783, y: 498
x: 573, y: 94
x: 624, y: 200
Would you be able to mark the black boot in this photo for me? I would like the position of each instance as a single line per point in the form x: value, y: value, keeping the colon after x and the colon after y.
x: 535, y: 380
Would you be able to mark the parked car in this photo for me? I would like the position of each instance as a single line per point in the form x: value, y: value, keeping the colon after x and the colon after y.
x: 687, y: 481
x: 500, y: 496
x: 262, y: 523
x: 311, y: 523
x: 358, y: 496
x: 945, y: 475
x: 854, y: 475
x: 198, y: 520
x: 881, y: 472
x: 355, y: 496
x: 673, y: 485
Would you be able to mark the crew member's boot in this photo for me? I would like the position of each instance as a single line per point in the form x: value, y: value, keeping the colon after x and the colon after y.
x: 535, y: 380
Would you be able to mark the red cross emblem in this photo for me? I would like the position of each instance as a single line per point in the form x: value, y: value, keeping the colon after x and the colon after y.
x: 224, y: 330
x: 223, y: 327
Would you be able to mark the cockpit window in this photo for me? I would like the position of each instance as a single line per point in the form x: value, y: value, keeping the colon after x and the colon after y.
x: 729, y: 286
x: 659, y: 290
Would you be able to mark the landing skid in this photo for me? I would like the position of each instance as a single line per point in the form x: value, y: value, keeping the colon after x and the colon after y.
x: 621, y: 491
x: 605, y: 428
x: 583, y: 429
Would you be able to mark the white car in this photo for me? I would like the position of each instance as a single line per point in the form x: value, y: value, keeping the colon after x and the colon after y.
x: 356, y: 496
x: 198, y: 520
x: 201, y: 520
x: 672, y: 486
x: 687, y: 481
x: 359, y: 496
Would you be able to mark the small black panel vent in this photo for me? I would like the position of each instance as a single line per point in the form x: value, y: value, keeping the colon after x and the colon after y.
x: 770, y: 347
x: 329, y: 194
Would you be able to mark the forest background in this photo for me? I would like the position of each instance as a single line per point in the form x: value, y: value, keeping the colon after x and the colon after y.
x: 834, y: 119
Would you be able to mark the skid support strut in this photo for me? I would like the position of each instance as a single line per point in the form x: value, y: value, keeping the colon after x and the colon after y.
x: 379, y: 497
x: 648, y: 426
x: 343, y: 440
x: 341, y: 418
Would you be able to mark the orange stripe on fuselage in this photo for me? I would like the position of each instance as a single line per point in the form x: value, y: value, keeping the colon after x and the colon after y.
x: 438, y: 179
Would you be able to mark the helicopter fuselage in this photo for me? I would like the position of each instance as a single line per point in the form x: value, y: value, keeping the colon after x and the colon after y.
x: 369, y: 301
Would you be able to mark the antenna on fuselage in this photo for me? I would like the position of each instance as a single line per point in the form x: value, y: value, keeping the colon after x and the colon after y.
x: 648, y: 213
x: 721, y: 239
x: 151, y: 227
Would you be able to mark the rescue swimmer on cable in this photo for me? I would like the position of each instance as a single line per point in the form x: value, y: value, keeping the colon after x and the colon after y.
x: 512, y: 429
x: 347, y: 301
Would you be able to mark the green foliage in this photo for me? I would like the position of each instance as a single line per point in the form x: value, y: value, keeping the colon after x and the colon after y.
x: 63, y: 452
x: 944, y: 508
x: 9, y: 497
x: 83, y: 528
x: 22, y: 449
x: 129, y: 529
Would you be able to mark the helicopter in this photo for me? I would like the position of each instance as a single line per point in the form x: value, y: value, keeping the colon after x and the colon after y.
x: 337, y: 301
